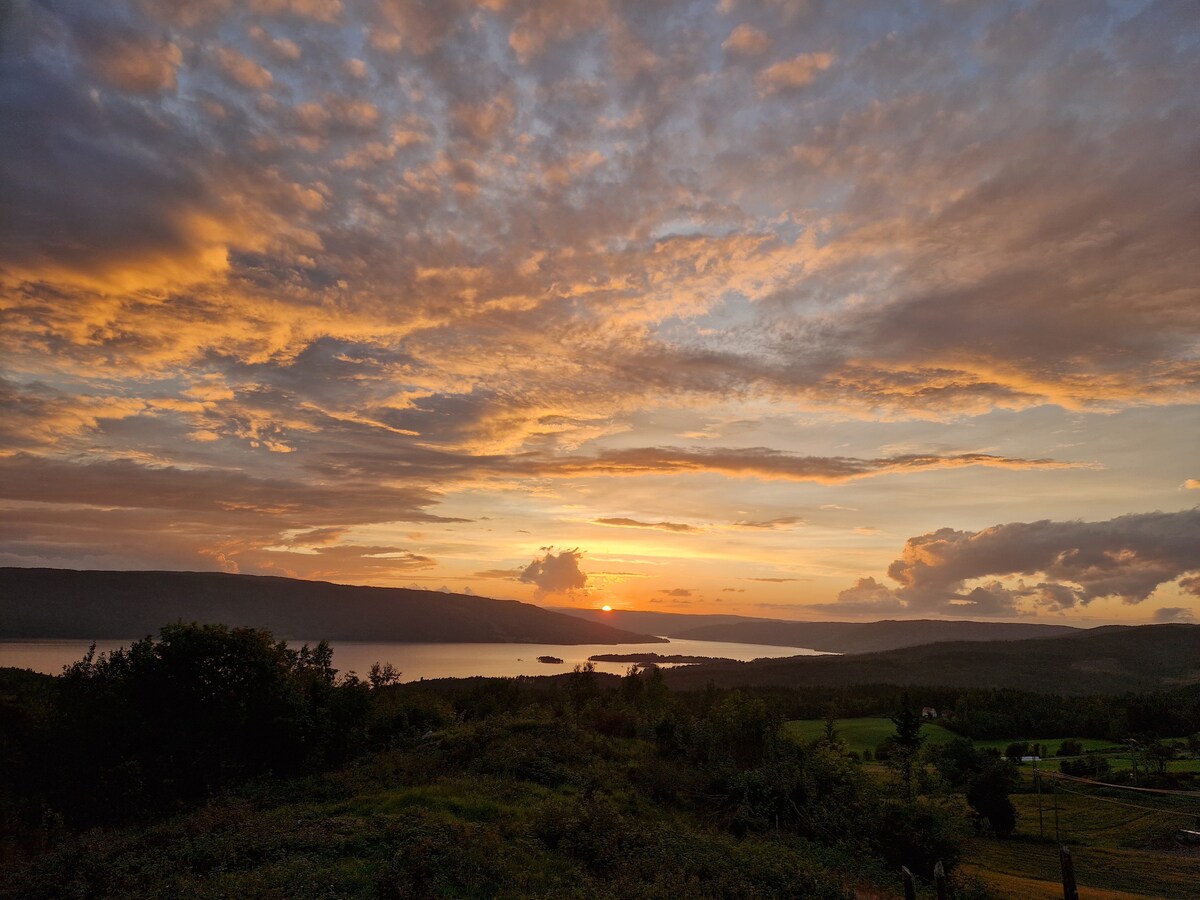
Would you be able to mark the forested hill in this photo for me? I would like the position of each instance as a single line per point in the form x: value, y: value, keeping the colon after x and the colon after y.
x: 96, y: 605
x: 835, y: 637
x: 869, y: 637
x: 668, y: 624
x: 1110, y: 660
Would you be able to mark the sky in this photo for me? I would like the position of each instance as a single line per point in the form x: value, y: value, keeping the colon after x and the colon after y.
x: 809, y: 310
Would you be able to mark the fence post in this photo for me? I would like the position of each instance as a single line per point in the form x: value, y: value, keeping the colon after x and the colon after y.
x: 910, y: 887
x: 1070, y: 891
x: 939, y: 880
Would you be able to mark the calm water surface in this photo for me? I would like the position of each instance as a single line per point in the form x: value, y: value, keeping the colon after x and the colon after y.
x: 417, y: 661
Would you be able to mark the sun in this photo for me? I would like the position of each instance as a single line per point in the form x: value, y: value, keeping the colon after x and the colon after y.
x: 606, y: 608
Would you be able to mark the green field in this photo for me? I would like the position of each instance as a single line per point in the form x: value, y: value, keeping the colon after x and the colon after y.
x: 869, y: 732
x: 1050, y: 745
x: 1123, y: 844
x: 1115, y: 846
x: 861, y: 734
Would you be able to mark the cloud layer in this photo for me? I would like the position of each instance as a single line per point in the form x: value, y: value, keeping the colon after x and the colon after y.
x: 321, y: 267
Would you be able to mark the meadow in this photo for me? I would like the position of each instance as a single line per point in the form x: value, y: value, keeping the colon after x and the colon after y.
x: 859, y: 734
x: 868, y: 732
x: 1123, y: 844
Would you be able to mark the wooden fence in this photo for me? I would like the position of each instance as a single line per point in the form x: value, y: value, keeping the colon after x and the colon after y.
x: 942, y: 887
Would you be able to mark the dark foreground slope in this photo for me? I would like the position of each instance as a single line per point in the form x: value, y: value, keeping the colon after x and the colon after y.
x: 1108, y: 660
x: 62, y: 603
x: 834, y: 637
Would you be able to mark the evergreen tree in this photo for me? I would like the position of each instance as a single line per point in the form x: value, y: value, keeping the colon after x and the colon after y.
x: 906, y: 741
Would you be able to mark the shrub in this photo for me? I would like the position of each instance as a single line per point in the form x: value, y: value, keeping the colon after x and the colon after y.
x: 1016, y: 750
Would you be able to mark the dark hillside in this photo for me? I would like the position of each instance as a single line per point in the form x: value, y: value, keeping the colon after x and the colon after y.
x: 667, y: 624
x: 1100, y: 661
x: 833, y: 637
x: 867, y: 637
x: 62, y: 603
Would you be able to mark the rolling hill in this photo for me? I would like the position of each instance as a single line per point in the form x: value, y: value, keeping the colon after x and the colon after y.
x: 870, y: 637
x: 1109, y: 660
x: 98, y: 605
x: 833, y: 637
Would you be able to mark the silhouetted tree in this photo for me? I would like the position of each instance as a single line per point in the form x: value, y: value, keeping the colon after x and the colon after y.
x: 906, y: 741
x: 179, y: 716
x: 831, y: 732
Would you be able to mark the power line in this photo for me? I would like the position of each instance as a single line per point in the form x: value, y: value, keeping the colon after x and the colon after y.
x: 1191, y: 795
x: 1168, y: 812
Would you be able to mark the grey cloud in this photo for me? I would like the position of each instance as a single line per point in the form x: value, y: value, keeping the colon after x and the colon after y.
x: 983, y: 573
x: 503, y: 574
x: 85, y: 183
x: 634, y: 523
x: 213, y: 493
x: 762, y: 462
x: 779, y: 522
x: 745, y: 462
x: 866, y: 597
x: 1126, y: 557
x: 1174, y: 614
x: 555, y: 573
x: 125, y: 514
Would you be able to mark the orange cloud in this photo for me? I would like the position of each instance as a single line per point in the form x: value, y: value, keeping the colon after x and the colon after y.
x: 133, y: 63
x: 746, y: 40
x: 243, y: 70
x: 797, y: 72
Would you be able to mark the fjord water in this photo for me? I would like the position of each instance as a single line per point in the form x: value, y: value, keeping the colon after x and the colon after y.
x: 417, y: 661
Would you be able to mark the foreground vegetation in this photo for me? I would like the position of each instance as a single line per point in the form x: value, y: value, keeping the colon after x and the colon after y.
x: 216, y: 762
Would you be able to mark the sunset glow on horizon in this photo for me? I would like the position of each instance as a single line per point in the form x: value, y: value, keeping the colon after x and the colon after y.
x: 804, y: 311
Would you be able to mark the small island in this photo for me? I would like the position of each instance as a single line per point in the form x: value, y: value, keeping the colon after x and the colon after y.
x: 550, y: 660
x: 649, y: 659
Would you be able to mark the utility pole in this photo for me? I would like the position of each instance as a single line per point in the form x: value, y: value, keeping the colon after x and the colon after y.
x: 1037, y: 778
x: 1054, y: 794
x: 1070, y: 891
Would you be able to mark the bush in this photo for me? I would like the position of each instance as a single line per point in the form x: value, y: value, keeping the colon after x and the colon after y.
x: 1016, y: 750
x: 988, y: 796
x: 1089, y: 767
x: 180, y: 717
x: 917, y: 833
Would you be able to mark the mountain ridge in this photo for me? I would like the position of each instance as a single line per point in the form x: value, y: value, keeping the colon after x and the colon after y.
x: 1108, y: 660
x: 103, y: 604
x: 831, y: 637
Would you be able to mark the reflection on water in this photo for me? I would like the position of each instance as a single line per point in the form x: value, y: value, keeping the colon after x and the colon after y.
x: 417, y: 661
